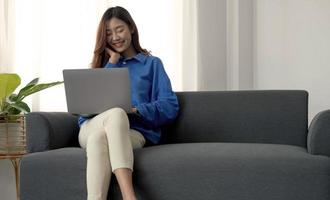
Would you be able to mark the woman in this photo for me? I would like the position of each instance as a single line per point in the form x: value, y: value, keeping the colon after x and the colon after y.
x: 110, y: 137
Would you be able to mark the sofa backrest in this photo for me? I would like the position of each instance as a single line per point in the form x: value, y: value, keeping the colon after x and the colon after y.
x: 260, y: 116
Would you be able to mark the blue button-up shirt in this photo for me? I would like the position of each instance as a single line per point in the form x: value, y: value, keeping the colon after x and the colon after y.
x: 151, y: 94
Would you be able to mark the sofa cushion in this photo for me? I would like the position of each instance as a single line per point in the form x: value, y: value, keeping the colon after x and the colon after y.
x: 60, y: 171
x: 278, y: 117
x: 203, y: 171
x: 199, y: 171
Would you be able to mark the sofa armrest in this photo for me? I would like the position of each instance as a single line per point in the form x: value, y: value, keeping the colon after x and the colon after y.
x: 319, y: 134
x: 51, y: 130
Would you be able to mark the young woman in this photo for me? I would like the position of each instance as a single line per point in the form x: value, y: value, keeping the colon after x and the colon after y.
x: 110, y: 137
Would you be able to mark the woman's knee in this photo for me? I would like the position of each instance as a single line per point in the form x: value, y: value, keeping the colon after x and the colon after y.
x: 115, y: 114
x: 116, y: 111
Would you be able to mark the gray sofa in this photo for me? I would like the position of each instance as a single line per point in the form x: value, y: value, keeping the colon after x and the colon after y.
x: 231, y: 145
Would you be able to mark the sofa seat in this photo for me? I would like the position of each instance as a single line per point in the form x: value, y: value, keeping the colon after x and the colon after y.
x: 67, y: 167
x: 228, y: 170
x: 225, y: 170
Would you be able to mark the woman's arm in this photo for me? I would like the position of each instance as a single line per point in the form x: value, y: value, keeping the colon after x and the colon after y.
x: 164, y: 106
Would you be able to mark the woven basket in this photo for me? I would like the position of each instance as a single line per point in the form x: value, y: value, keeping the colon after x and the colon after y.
x: 12, y: 135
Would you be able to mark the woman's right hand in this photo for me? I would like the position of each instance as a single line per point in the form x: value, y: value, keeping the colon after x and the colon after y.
x: 114, y: 56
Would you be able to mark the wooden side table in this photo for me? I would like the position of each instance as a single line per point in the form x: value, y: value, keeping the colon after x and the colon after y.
x: 13, y: 143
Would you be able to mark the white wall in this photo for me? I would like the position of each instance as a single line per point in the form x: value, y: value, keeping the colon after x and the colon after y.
x: 7, y: 181
x: 292, y: 48
x: 239, y: 44
x: 203, y: 44
x: 266, y: 44
x: 211, y: 45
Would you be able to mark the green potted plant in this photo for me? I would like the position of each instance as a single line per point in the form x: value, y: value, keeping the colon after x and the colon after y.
x: 13, y: 104
x: 12, y: 110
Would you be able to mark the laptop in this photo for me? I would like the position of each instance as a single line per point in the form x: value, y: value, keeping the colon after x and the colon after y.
x: 93, y: 91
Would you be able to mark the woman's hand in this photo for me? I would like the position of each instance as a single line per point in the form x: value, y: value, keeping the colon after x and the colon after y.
x: 134, y: 110
x: 114, y: 56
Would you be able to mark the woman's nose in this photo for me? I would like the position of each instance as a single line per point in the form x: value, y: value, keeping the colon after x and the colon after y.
x: 115, y: 36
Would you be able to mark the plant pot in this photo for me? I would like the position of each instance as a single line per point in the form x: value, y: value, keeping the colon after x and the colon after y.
x: 12, y: 135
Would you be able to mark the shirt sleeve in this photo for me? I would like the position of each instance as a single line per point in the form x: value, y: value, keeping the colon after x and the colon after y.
x: 81, y: 120
x: 163, y: 106
x: 110, y: 65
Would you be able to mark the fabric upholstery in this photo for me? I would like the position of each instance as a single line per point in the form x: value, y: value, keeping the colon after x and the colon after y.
x: 231, y: 171
x: 278, y: 117
x: 196, y: 171
x: 319, y: 134
x: 54, y: 174
x: 51, y: 130
x: 233, y: 145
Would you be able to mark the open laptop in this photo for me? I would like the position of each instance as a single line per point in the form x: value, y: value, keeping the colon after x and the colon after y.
x: 93, y: 91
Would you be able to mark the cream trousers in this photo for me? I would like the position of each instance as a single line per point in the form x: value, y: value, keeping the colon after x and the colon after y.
x: 109, y: 143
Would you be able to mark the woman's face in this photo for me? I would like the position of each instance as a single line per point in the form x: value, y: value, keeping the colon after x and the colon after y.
x: 119, y: 36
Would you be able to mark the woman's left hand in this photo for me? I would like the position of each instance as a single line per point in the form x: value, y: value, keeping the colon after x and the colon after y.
x: 134, y: 110
x: 114, y: 56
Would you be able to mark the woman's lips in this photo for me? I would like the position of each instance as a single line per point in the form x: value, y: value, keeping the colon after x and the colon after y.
x: 118, y: 44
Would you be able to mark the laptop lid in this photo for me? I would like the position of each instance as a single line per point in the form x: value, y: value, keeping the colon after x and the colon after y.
x: 93, y: 91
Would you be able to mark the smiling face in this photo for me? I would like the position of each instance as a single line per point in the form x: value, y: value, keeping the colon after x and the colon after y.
x: 119, y: 37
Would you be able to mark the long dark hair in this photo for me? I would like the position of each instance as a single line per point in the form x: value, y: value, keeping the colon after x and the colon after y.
x: 100, y: 55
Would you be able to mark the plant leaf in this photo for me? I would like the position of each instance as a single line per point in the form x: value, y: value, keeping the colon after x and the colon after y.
x: 17, y: 108
x: 13, y: 97
x: 27, y: 87
x: 4, y: 108
x: 37, y: 88
x: 33, y: 82
x: 13, y: 111
x: 8, y: 84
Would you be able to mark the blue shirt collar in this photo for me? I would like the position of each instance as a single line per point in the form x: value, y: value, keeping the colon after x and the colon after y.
x: 139, y: 57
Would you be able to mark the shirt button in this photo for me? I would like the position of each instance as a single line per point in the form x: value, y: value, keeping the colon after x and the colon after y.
x: 124, y: 63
